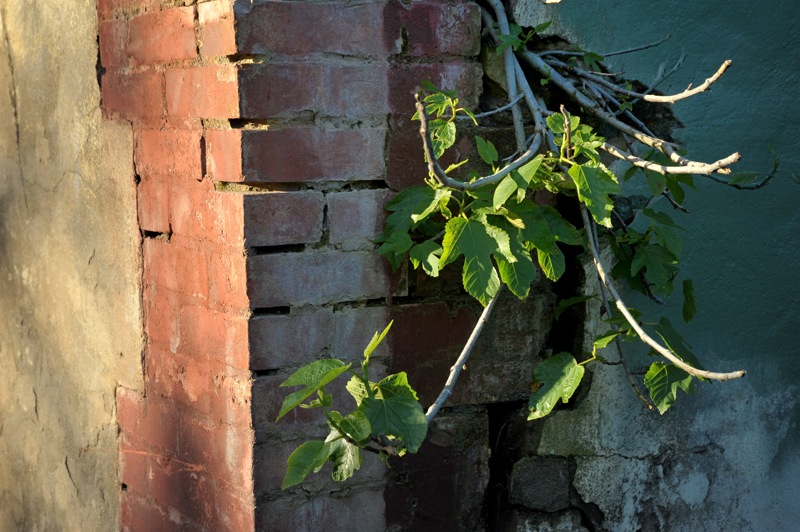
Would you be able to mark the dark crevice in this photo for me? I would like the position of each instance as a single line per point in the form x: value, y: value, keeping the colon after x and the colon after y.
x: 100, y: 70
x: 271, y: 311
x: 203, y: 156
x: 373, y: 184
x: 255, y: 187
x: 165, y: 237
x: 272, y: 250
x: 504, y: 453
x: 249, y: 123
x: 264, y: 373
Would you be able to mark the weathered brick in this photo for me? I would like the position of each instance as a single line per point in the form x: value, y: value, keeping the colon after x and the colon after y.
x: 113, y: 35
x: 108, y: 8
x: 278, y: 218
x: 202, y: 92
x: 307, y: 154
x: 276, y: 90
x: 201, y: 383
x: 161, y: 307
x: 315, y: 278
x: 227, y: 279
x: 425, y: 341
x: 147, y: 425
x: 141, y: 513
x: 218, y: 36
x: 328, y: 512
x: 137, y: 97
x: 356, y: 217
x: 154, y: 203
x: 222, y: 336
x: 340, y: 28
x: 406, y: 165
x: 168, y: 151
x: 163, y: 36
x: 353, y: 330
x: 294, y: 339
x: 176, y: 266
x: 434, y: 28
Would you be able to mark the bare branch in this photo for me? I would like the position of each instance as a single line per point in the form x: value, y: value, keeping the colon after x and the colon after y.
x: 610, y: 54
x: 695, y: 168
x: 455, y: 371
x: 620, y: 304
x: 506, y: 107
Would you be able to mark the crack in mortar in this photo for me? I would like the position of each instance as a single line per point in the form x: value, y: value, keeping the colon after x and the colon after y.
x: 13, y: 95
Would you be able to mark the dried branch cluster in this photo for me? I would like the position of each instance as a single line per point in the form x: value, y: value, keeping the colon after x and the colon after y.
x: 598, y: 94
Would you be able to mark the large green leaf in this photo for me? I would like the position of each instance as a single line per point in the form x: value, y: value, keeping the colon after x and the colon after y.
x: 395, y: 412
x: 594, y: 185
x: 518, y: 275
x: 312, y: 377
x: 473, y: 240
x: 676, y: 343
x: 689, y: 305
x: 310, y: 456
x: 553, y: 264
x: 377, y: 338
x: 411, y: 206
x: 356, y: 426
x: 559, y: 377
x: 663, y: 381
x: 659, y: 264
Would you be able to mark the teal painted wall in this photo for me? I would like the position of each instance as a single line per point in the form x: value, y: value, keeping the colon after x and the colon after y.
x: 741, y: 250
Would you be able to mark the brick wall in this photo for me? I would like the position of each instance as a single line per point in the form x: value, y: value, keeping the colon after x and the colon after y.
x: 268, y: 137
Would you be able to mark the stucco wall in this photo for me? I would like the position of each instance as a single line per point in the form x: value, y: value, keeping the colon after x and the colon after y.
x: 727, y: 458
x: 70, y: 324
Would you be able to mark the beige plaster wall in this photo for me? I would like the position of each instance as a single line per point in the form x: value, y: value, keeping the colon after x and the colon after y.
x: 70, y: 314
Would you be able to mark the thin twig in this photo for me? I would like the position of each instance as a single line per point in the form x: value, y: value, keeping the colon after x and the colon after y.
x: 455, y: 371
x: 610, y: 54
x: 506, y: 107
x: 620, y: 304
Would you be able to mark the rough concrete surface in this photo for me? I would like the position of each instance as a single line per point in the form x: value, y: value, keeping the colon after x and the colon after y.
x: 70, y: 325
x: 727, y: 458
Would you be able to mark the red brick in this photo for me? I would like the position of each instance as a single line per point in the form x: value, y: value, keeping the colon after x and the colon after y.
x: 356, y: 217
x: 434, y: 28
x: 137, y: 97
x: 178, y: 266
x: 217, y: 28
x: 161, y: 324
x: 224, y: 154
x: 308, y: 154
x: 201, y: 383
x: 199, y: 211
x: 340, y: 28
x: 219, y: 335
x: 202, y: 92
x: 168, y: 151
x: 113, y: 36
x: 278, y: 218
x: 278, y: 341
x: 163, y: 36
x: 276, y: 90
x: 154, y: 203
x: 148, y: 425
x: 227, y: 279
x: 315, y: 278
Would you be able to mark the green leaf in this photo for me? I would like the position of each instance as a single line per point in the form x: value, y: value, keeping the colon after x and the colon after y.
x: 410, y: 207
x: 559, y: 377
x: 395, y: 412
x: 660, y: 217
x: 357, y: 389
x: 507, y: 186
x: 346, y: 459
x: 556, y: 123
x: 356, y: 426
x: 539, y: 28
x: 655, y: 182
x: 553, y: 264
x: 472, y: 239
x: 309, y: 456
x: 377, y: 338
x: 486, y: 150
x: 594, y: 185
x: 689, y: 305
x: 663, y: 381
x: 659, y: 264
x: 312, y: 377
x: 676, y: 343
x: 443, y: 136
x: 592, y: 61
x: 395, y: 245
x: 602, y: 341
x: 427, y: 254
x: 562, y: 230
x: 517, y: 275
